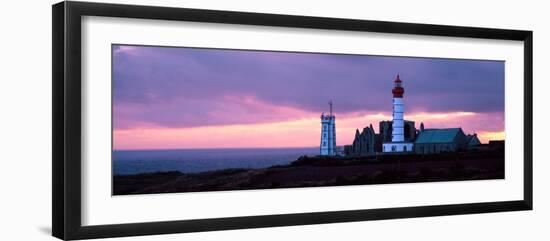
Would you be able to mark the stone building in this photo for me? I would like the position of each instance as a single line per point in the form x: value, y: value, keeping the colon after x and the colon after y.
x: 363, y: 144
x: 385, y: 128
x: 431, y: 141
x: 367, y: 142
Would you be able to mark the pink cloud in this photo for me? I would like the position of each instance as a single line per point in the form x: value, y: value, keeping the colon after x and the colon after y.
x: 231, y: 110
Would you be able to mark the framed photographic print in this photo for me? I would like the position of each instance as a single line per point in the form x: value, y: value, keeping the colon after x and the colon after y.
x: 285, y: 120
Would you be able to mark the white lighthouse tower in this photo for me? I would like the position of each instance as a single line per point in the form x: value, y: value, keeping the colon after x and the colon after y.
x: 398, y: 143
x: 328, y: 133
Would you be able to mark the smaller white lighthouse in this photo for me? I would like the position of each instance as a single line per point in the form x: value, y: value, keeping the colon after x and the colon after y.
x: 328, y: 133
x: 398, y: 143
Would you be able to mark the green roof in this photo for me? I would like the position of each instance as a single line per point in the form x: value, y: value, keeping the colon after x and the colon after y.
x: 438, y: 135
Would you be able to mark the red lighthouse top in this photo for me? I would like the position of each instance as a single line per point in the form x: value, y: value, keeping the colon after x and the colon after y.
x: 397, y: 90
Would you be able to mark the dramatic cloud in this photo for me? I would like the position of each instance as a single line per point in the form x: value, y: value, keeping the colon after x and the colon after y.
x: 184, y: 87
x: 192, y: 89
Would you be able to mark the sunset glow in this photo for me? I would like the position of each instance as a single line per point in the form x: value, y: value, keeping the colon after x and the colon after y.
x: 294, y: 133
x: 172, y: 98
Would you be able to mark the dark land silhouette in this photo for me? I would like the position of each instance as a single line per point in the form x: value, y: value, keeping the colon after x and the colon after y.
x: 325, y: 171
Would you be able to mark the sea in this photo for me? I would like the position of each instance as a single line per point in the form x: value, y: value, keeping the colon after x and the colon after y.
x: 126, y: 162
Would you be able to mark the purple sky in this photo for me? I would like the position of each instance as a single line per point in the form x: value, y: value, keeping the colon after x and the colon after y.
x: 191, y: 87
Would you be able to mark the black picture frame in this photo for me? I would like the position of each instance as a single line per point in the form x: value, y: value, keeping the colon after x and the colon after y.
x: 66, y: 167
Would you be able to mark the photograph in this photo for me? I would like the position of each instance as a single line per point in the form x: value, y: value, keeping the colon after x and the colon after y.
x: 190, y: 119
